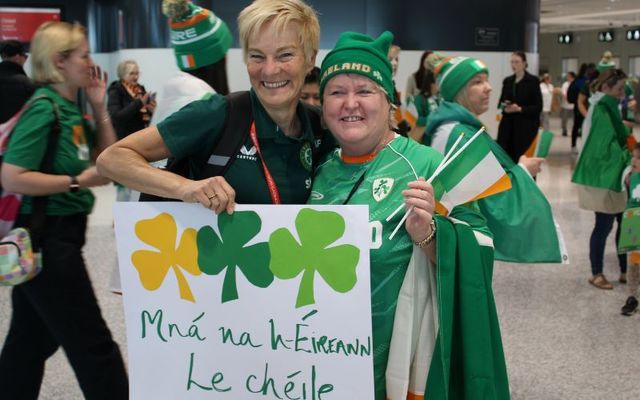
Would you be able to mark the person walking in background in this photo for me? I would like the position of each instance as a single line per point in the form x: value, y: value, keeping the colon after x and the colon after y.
x: 576, y: 97
x: 566, y: 108
x: 521, y: 104
x: 599, y: 169
x: 130, y: 105
x: 632, y: 184
x: 15, y: 85
x: 310, y: 93
x: 58, y: 307
x: 546, y: 90
x: 415, y: 80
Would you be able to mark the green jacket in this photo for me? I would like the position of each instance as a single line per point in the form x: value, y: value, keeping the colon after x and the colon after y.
x: 604, y: 155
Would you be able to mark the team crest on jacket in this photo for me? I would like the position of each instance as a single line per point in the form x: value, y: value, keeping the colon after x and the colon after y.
x: 305, y: 156
x: 382, y: 188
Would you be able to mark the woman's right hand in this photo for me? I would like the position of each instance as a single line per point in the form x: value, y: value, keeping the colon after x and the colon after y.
x: 214, y: 193
x: 532, y: 164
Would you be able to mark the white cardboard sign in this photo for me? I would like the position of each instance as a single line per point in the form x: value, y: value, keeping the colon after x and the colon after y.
x: 272, y: 302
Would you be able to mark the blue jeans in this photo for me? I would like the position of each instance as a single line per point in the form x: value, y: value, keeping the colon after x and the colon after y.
x: 604, y: 223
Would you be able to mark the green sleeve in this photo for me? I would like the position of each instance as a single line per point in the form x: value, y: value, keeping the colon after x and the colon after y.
x: 193, y: 129
x: 29, y: 138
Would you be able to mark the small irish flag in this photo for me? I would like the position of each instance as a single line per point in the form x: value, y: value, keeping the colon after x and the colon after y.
x: 188, y: 61
x: 472, y: 173
x: 411, y: 112
x: 540, y: 145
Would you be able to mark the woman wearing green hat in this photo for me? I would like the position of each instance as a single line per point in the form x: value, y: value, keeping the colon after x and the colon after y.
x: 520, y: 218
x: 381, y: 169
x: 280, y: 41
x: 599, y: 169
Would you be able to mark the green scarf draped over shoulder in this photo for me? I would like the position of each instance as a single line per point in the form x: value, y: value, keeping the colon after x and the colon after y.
x: 604, y: 155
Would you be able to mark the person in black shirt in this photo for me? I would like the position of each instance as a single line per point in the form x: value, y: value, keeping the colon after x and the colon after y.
x: 521, y: 104
x: 15, y: 85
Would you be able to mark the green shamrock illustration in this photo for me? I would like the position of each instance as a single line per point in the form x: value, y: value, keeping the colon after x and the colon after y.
x: 229, y: 251
x: 316, y: 230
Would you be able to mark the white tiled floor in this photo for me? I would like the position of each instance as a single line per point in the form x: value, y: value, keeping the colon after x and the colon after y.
x: 563, y: 339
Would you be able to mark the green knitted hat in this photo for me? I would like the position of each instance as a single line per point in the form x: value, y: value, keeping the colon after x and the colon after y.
x: 198, y: 37
x: 357, y: 53
x: 452, y: 74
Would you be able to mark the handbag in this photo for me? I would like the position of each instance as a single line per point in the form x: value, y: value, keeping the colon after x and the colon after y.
x: 20, y: 249
x: 18, y: 262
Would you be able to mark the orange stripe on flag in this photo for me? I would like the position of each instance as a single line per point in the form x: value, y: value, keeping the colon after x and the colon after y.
x: 531, y: 151
x: 204, y: 14
x: 631, y: 142
x: 501, y: 185
x: 413, y: 396
x: 440, y: 209
x: 191, y: 60
x: 411, y: 120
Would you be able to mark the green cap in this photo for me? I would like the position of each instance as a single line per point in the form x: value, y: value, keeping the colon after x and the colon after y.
x: 357, y: 53
x: 198, y: 37
x: 453, y: 73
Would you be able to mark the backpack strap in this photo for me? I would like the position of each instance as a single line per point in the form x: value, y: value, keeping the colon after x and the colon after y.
x: 234, y: 133
x: 39, y: 203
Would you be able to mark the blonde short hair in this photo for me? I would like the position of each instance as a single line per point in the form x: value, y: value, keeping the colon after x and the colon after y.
x: 122, y: 67
x: 281, y: 13
x: 394, y: 51
x: 50, y: 40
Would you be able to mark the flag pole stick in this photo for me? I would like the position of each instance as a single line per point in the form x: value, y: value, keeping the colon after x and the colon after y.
x: 435, y: 174
x: 446, y: 157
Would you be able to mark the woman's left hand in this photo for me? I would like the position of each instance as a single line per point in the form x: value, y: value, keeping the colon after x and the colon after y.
x: 97, y: 87
x: 420, y: 197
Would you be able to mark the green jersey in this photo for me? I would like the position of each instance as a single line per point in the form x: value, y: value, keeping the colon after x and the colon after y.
x: 382, y: 182
x: 28, y: 144
x: 192, y: 131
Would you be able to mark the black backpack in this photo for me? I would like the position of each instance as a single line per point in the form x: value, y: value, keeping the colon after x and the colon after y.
x: 234, y: 134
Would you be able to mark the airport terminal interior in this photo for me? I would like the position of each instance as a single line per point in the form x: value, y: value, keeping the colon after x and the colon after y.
x: 563, y: 336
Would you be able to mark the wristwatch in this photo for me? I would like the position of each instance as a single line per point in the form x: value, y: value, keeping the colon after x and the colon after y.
x: 424, y: 242
x: 74, y: 186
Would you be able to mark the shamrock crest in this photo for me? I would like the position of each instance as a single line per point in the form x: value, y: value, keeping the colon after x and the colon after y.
x: 161, y: 233
x: 316, y: 230
x: 229, y: 251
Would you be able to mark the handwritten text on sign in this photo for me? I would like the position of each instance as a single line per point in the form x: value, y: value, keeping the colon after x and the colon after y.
x: 272, y: 302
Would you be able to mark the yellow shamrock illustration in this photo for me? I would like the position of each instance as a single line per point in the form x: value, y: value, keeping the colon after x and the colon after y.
x: 161, y: 233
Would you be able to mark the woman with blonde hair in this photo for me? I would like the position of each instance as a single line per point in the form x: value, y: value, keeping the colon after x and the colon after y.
x: 280, y: 41
x: 58, y: 308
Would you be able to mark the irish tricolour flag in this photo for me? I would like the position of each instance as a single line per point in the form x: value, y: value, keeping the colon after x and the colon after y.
x: 540, y: 145
x: 471, y: 173
x: 468, y: 172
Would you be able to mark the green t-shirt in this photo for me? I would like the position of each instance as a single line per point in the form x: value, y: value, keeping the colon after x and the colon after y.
x: 192, y: 131
x: 384, y: 180
x: 29, y: 141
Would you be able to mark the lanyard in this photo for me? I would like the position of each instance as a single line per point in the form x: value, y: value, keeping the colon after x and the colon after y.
x: 271, y: 183
x: 355, y: 187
